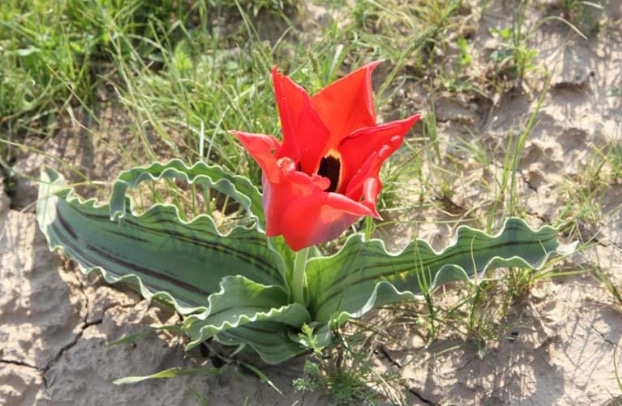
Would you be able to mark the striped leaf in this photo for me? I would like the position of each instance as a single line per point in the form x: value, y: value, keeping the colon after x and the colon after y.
x: 363, y: 275
x: 234, y: 286
x: 180, y: 262
x: 212, y: 176
x: 246, y: 312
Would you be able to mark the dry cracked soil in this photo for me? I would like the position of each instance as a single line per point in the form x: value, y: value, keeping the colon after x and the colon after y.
x: 56, y: 324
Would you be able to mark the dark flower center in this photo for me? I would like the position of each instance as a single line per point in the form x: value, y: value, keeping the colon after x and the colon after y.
x: 330, y: 167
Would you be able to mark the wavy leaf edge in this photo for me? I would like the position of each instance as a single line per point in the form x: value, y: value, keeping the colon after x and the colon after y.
x: 454, y: 240
x: 53, y: 187
x: 210, y: 330
x: 562, y: 250
x: 132, y: 177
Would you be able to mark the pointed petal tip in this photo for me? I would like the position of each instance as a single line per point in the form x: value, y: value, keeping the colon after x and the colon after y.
x: 407, y: 123
x: 235, y: 133
x: 375, y: 214
x: 414, y: 118
x: 373, y: 64
x: 275, y: 72
x: 368, y: 68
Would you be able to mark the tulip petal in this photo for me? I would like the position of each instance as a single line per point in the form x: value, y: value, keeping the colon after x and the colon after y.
x: 358, y: 148
x: 263, y: 149
x: 365, y: 185
x: 304, y: 134
x: 323, y: 176
x: 318, y: 218
x: 279, y: 196
x: 347, y: 104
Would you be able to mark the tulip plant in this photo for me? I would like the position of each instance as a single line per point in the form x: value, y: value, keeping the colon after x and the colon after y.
x: 258, y: 284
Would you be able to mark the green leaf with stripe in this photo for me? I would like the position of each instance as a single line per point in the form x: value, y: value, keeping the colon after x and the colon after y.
x: 363, y: 275
x: 180, y: 262
x: 212, y: 176
x: 246, y: 312
x: 234, y: 286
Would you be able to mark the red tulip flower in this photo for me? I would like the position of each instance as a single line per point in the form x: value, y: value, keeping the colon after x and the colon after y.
x: 323, y: 176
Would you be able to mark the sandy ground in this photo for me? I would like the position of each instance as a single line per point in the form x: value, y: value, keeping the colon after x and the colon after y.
x: 560, y: 347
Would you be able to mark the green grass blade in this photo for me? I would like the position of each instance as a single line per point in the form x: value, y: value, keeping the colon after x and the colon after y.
x: 168, y: 373
x: 364, y: 275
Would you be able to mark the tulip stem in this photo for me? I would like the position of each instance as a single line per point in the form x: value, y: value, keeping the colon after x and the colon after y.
x: 299, y: 279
